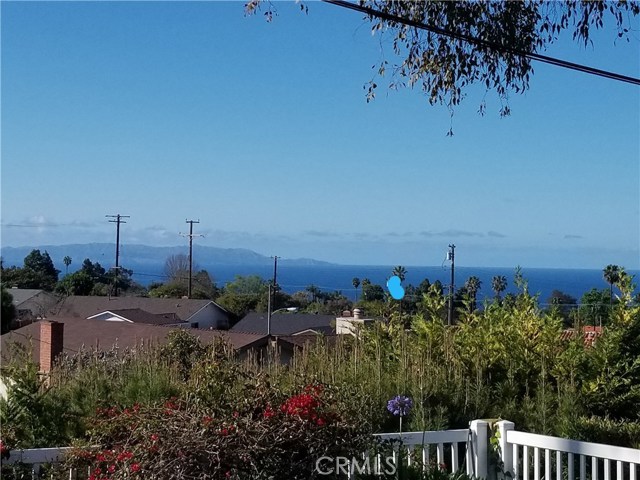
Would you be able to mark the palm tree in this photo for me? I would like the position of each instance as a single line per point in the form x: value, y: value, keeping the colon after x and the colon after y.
x: 314, y: 291
x: 472, y: 285
x: 399, y: 272
x: 356, y: 283
x: 611, y: 275
x: 366, y: 283
x: 499, y: 285
x: 67, y: 262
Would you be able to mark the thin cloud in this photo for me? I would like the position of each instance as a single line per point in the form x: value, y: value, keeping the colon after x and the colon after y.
x: 491, y: 233
x: 320, y: 233
x: 460, y: 233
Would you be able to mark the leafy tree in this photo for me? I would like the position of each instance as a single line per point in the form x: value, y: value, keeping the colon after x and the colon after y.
x: 38, y: 272
x: 594, y: 307
x: 423, y: 287
x: 372, y: 292
x: 613, y: 386
x: 562, y: 303
x: 498, y: 285
x: 8, y: 311
x: 477, y: 43
x: 78, y: 283
x: 202, y: 287
x: 244, y: 294
x: 94, y: 270
x: 611, y: 275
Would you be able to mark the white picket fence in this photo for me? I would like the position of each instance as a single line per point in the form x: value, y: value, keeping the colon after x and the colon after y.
x: 549, y: 458
x: 524, y: 456
x: 460, y: 450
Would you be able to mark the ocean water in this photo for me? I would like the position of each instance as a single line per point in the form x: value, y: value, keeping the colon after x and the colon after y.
x: 541, y: 281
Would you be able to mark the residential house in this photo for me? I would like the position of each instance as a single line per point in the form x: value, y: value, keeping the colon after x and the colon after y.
x: 287, y: 324
x: 31, y: 304
x: 186, y: 312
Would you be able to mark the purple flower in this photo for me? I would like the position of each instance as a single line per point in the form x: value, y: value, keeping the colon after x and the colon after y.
x: 400, y: 405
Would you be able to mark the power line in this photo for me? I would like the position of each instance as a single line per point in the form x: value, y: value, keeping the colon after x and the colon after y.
x: 486, y: 43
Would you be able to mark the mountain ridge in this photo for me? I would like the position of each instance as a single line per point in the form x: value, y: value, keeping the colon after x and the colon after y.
x: 138, y: 254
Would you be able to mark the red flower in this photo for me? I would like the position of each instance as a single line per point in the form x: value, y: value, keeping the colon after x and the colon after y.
x: 135, y: 467
x: 304, y: 405
x: 154, y: 437
x: 268, y: 412
x: 111, y: 469
x: 126, y: 455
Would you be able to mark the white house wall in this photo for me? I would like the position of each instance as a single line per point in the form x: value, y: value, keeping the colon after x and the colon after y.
x: 209, y: 316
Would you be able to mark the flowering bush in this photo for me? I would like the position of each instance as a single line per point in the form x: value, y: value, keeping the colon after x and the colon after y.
x: 182, y: 438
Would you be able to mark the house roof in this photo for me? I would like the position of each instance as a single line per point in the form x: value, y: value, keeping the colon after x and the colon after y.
x: 84, y: 307
x: 589, y: 334
x: 21, y: 295
x: 137, y: 315
x: 285, y: 323
x: 307, y: 339
x: 98, y: 334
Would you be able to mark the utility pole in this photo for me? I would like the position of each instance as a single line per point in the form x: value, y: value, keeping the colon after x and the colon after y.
x: 118, y: 220
x: 269, y: 313
x: 275, y: 270
x: 272, y: 293
x: 190, y: 235
x: 451, y: 256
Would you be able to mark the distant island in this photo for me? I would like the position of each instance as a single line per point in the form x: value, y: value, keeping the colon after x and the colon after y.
x: 142, y: 255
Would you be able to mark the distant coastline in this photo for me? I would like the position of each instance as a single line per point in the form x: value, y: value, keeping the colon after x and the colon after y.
x: 294, y: 275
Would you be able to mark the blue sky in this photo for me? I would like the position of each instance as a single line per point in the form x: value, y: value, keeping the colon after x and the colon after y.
x: 174, y: 111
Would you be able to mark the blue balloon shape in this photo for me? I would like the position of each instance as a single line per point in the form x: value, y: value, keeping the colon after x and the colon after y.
x: 394, y: 284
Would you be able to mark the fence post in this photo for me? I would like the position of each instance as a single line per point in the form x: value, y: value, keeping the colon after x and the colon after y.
x: 506, y: 452
x: 480, y: 445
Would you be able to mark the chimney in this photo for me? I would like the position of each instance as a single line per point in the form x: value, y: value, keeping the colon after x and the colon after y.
x: 357, y: 313
x: 51, y: 343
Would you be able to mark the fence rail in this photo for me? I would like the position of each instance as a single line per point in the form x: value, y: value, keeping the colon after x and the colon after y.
x: 529, y: 455
x: 457, y: 450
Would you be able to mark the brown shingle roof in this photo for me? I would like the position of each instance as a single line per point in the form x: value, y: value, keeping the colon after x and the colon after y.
x: 84, y: 307
x: 137, y: 315
x: 286, y: 323
x: 92, y: 334
x: 589, y: 334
